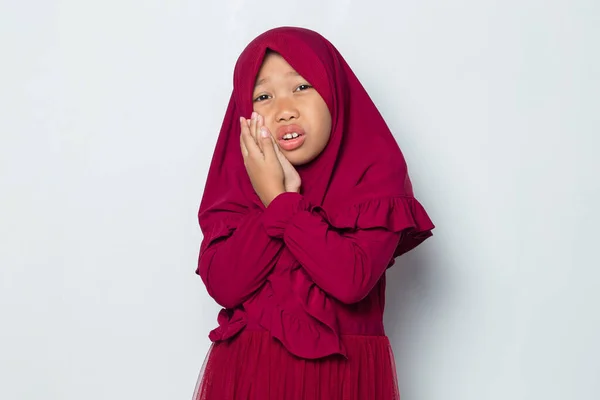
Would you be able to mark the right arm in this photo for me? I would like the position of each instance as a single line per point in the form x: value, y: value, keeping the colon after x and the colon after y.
x: 234, y: 265
x: 234, y: 262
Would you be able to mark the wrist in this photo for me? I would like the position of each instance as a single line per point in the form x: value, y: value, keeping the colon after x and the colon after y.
x: 273, y: 194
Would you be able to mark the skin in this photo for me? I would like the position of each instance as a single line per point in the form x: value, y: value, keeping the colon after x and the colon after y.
x: 281, y: 97
x: 261, y: 161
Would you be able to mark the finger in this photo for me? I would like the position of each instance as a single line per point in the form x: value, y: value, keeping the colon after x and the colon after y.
x: 268, y: 144
x: 244, y: 149
x: 259, y: 124
x: 277, y: 149
x: 253, y: 129
x: 249, y: 122
x: 251, y: 146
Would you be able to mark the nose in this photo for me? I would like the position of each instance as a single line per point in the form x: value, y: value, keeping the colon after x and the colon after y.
x: 286, y: 110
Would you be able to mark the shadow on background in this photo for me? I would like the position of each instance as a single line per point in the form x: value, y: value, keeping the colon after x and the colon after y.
x: 414, y: 294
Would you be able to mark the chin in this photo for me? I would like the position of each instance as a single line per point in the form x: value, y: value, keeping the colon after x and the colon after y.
x: 296, y: 162
x: 299, y: 159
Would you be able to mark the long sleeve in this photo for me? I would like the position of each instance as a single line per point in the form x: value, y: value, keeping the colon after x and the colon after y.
x: 234, y: 265
x: 345, y: 265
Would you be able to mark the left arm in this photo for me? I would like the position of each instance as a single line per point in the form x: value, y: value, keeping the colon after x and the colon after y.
x: 345, y: 265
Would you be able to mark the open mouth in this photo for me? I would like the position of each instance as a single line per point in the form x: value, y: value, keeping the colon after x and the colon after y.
x: 291, y: 141
x: 290, y: 137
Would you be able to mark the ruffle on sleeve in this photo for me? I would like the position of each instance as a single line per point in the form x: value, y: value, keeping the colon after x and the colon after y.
x: 221, y: 229
x: 281, y: 211
x: 397, y: 214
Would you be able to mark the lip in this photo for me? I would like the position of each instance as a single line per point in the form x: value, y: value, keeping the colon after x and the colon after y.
x: 291, y: 144
x: 285, y: 129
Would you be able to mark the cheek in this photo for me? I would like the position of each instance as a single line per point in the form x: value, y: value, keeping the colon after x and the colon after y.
x: 267, y: 116
x: 325, y: 121
x: 324, y: 131
x: 320, y: 115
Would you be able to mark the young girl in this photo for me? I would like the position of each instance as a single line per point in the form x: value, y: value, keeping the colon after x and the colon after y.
x: 306, y: 205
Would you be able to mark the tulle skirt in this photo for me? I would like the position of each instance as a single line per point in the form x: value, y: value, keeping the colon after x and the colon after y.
x: 255, y: 366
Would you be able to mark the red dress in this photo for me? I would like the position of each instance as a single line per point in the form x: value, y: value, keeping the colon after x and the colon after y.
x: 304, y: 301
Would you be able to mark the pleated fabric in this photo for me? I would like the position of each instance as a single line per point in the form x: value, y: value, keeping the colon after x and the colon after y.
x: 255, y: 366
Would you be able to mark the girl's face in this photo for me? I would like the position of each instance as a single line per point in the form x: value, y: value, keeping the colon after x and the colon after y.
x: 291, y: 107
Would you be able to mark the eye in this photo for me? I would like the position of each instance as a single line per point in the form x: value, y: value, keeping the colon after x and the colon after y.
x: 302, y: 87
x: 262, y: 97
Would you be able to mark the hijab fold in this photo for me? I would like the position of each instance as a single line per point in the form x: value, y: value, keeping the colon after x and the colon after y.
x: 359, y: 181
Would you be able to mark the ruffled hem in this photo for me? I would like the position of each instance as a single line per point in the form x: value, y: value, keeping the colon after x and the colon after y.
x: 310, y: 332
x: 231, y: 322
x: 254, y: 366
x: 397, y: 214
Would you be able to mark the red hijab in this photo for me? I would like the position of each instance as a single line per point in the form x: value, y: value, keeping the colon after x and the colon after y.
x: 360, y: 180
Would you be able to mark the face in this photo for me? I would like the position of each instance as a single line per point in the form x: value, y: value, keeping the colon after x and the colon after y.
x: 293, y: 110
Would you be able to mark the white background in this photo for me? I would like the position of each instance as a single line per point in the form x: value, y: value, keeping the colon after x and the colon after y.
x: 109, y: 111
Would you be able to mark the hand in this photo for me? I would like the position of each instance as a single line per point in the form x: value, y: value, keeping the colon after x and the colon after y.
x: 263, y: 167
x: 292, y: 181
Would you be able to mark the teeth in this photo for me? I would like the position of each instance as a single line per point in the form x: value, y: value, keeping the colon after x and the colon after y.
x: 292, y: 135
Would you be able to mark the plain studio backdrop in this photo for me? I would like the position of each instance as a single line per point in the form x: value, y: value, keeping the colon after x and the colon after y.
x: 109, y: 113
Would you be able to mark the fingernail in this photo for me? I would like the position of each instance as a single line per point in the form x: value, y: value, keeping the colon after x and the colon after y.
x: 253, y: 115
x: 264, y: 133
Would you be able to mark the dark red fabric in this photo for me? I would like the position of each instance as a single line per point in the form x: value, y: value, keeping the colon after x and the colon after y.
x: 254, y: 367
x: 311, y: 266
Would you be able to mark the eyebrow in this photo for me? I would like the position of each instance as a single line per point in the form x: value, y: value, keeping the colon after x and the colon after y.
x: 264, y: 80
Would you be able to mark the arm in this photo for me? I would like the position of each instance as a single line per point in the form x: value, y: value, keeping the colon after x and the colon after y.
x: 345, y: 265
x: 234, y: 266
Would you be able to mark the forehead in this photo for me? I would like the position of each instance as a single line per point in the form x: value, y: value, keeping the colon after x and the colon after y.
x: 274, y: 66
